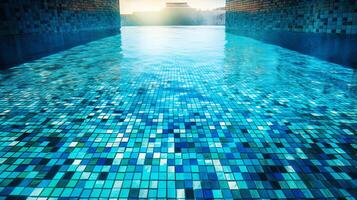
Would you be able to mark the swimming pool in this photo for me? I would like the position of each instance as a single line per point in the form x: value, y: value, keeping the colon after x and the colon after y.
x: 178, y: 112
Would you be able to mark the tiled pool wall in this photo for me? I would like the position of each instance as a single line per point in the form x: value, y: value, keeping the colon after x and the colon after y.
x: 323, y: 28
x: 31, y: 29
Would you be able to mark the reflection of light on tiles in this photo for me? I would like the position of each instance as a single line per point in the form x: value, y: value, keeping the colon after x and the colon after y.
x: 240, y: 119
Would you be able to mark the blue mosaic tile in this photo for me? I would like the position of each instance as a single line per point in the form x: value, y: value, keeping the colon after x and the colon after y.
x: 318, y: 16
x: 180, y: 113
x: 34, y: 17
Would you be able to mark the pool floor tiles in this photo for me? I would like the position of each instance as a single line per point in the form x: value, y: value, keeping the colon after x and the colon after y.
x: 172, y: 113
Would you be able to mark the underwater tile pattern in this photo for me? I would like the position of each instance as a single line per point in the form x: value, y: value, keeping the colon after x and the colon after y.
x: 180, y: 113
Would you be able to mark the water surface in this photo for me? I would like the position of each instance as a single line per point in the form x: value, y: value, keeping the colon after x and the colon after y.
x: 178, y: 112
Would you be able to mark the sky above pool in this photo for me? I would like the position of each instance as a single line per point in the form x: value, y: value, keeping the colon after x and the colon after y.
x: 130, y: 6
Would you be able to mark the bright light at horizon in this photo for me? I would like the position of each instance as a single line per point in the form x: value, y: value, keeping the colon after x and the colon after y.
x: 130, y: 6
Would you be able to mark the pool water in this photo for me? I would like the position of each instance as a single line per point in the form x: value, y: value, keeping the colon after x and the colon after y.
x: 178, y: 112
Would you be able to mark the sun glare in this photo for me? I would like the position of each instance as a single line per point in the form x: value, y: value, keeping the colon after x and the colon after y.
x: 130, y: 6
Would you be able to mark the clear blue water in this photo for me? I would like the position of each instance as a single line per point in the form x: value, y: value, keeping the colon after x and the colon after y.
x: 178, y: 112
